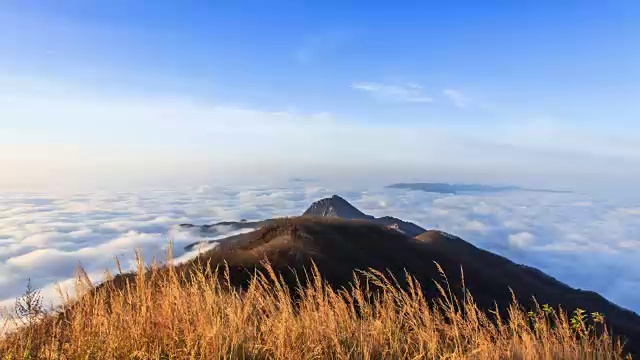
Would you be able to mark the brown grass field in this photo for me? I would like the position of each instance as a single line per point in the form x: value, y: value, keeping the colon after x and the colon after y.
x: 163, y: 313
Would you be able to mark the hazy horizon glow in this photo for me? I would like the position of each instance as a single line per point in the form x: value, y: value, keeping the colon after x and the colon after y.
x: 97, y: 94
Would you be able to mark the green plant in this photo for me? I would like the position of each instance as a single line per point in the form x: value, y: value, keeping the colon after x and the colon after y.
x: 29, y: 306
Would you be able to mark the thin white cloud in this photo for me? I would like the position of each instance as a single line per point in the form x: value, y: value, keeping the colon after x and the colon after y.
x: 458, y: 98
x: 53, y: 135
x: 522, y: 240
x: 405, y: 93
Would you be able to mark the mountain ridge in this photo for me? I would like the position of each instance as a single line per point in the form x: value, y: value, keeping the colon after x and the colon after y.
x: 341, y: 247
x: 334, y: 206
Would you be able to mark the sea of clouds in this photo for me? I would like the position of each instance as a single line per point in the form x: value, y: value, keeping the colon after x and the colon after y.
x: 585, y: 241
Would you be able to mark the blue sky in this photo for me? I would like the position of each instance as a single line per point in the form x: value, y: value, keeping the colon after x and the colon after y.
x: 495, y: 90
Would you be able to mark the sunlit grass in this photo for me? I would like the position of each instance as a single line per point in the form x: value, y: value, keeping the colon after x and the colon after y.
x: 162, y: 313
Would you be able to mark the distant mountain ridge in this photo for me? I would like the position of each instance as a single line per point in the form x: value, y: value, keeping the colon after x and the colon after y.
x: 444, y: 188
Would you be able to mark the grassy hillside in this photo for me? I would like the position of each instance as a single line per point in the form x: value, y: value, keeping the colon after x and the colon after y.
x: 201, y: 310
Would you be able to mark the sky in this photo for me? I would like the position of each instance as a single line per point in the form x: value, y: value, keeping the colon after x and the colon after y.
x: 172, y: 92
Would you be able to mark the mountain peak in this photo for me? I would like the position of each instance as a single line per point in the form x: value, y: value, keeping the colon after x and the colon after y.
x: 335, y: 206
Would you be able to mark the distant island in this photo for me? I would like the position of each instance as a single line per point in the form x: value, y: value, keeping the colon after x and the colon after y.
x: 442, y: 188
x: 302, y: 180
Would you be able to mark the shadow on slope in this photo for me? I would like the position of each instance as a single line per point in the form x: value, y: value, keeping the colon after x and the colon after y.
x: 339, y: 247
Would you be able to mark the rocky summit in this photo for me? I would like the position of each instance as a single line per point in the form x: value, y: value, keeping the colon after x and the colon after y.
x: 330, y: 207
x: 335, y: 206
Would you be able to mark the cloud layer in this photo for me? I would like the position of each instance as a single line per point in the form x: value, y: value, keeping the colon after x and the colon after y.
x: 584, y: 241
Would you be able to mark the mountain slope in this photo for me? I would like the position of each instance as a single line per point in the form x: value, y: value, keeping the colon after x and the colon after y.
x: 337, y: 207
x: 331, y: 207
x: 339, y: 238
x: 197, y: 309
x: 339, y: 247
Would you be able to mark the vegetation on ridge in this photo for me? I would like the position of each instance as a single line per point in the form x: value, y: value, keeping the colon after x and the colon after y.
x: 165, y: 313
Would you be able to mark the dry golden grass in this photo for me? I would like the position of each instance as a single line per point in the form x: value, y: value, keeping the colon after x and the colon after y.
x: 166, y: 314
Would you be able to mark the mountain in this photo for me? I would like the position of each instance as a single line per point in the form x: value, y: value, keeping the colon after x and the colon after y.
x: 340, y: 239
x: 218, y: 229
x: 336, y: 207
x: 260, y: 287
x: 338, y: 247
x: 405, y: 227
x: 331, y: 207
